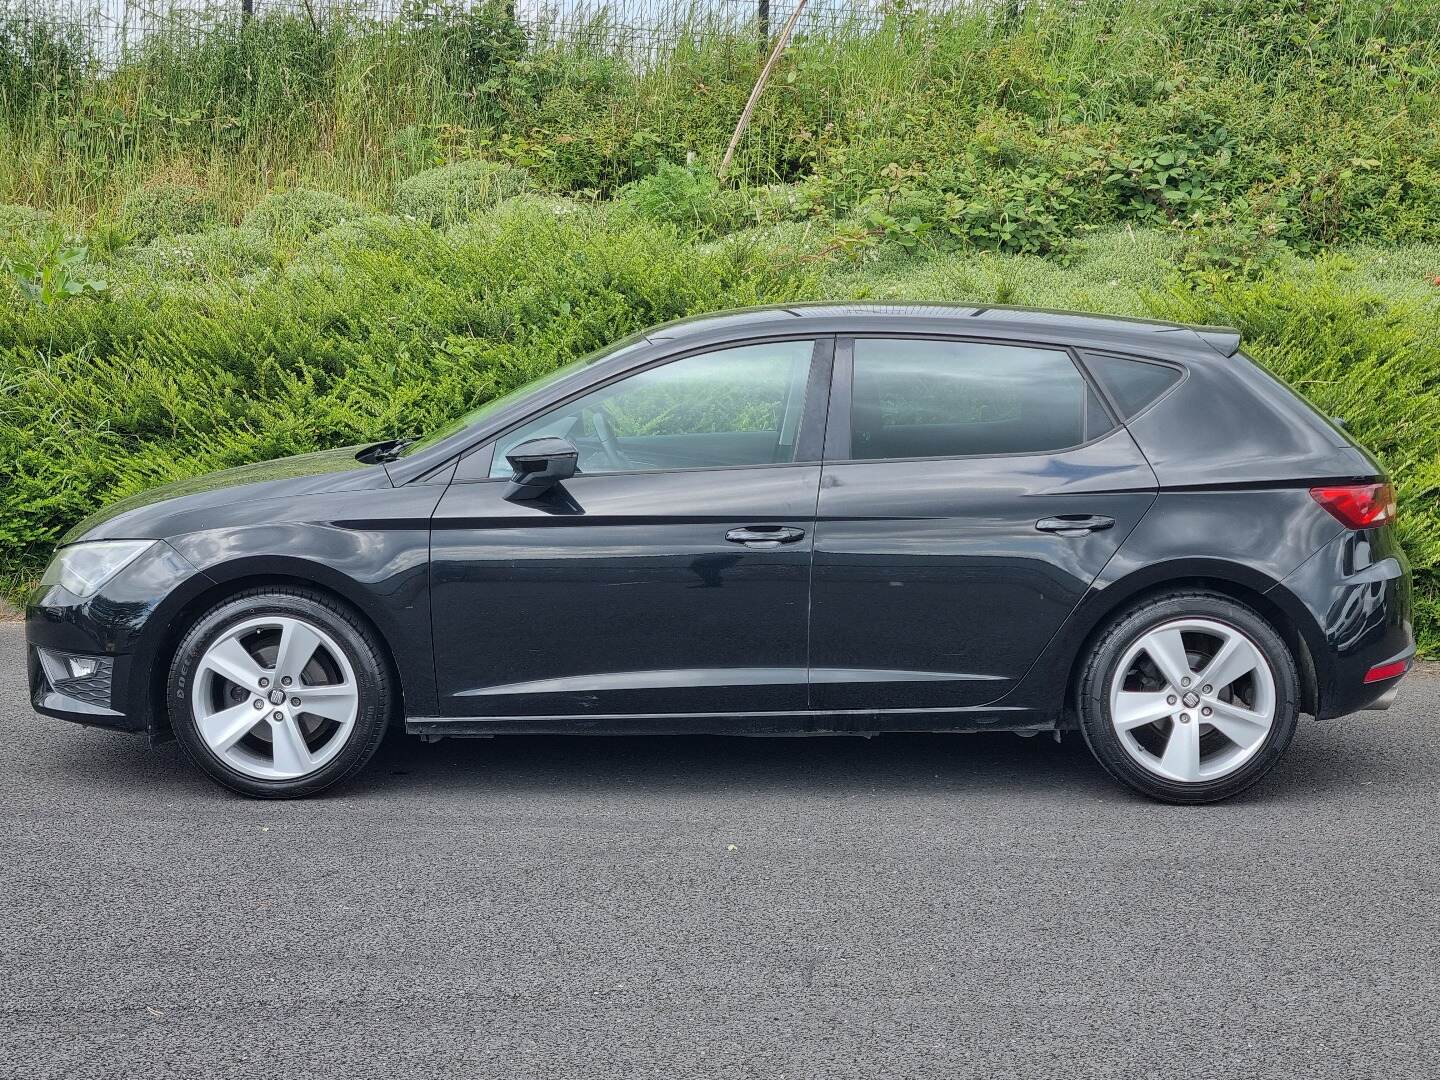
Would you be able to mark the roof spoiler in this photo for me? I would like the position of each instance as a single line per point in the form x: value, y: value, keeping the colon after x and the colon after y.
x: 1223, y: 339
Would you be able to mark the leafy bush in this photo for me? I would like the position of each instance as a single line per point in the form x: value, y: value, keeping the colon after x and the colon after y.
x: 300, y: 213
x: 224, y: 255
x: 452, y: 193
x: 23, y: 224
x: 167, y: 210
x: 689, y: 198
x: 471, y: 44
x: 56, y: 273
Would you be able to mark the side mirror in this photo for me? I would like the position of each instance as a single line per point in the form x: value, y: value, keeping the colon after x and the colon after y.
x: 539, y: 465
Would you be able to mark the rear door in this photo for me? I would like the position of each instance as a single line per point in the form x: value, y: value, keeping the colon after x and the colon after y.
x: 670, y: 576
x: 971, y: 493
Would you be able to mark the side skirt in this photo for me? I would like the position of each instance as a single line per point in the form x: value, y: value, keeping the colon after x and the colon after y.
x: 809, y: 722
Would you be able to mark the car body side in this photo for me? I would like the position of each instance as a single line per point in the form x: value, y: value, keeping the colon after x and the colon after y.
x: 1227, y: 444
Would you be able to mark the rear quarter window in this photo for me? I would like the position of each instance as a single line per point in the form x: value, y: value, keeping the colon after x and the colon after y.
x: 1131, y: 384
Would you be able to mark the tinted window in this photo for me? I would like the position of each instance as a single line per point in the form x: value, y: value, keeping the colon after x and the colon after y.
x: 949, y: 398
x: 1132, y: 384
x: 1097, y: 420
x: 494, y: 405
x: 731, y: 407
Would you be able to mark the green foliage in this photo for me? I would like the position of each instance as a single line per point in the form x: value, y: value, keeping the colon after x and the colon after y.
x: 1273, y: 163
x: 471, y: 45
x: 452, y: 193
x: 300, y: 213
x: 57, y: 273
x: 689, y: 198
x: 165, y: 210
x: 24, y: 224
x: 390, y: 330
x: 1139, y: 111
x: 223, y: 256
x: 41, y: 62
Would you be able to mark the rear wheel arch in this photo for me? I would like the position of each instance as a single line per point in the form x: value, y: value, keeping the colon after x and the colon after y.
x: 1169, y: 747
x: 1266, y: 597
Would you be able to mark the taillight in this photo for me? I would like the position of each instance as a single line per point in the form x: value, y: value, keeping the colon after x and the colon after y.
x: 1358, y: 506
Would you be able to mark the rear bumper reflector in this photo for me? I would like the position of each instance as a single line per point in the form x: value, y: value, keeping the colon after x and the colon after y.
x: 1392, y: 670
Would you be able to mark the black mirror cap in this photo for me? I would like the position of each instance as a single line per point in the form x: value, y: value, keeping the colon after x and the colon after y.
x: 540, y: 464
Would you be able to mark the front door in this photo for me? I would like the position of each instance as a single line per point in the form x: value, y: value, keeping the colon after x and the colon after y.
x: 671, y: 576
x: 971, y: 494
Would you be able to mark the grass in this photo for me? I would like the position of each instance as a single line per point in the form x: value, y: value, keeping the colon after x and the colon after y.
x: 270, y: 238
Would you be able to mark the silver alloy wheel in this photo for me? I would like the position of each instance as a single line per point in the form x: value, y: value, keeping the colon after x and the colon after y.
x: 275, y: 697
x: 1193, y: 700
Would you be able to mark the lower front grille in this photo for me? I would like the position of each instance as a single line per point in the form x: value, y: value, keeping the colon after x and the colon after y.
x: 92, y: 689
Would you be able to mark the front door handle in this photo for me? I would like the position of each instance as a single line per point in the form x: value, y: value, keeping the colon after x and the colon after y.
x: 1074, y: 524
x: 765, y: 536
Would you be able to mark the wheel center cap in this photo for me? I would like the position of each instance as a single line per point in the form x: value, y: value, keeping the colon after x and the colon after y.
x: 1191, y: 699
x: 277, y: 697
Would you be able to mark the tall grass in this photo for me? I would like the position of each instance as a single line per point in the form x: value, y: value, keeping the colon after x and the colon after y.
x: 353, y: 105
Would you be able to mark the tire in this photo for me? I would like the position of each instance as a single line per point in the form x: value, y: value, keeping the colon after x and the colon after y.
x: 1211, y: 743
x: 318, y: 730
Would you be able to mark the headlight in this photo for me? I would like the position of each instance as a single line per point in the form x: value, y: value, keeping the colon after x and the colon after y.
x: 83, y: 568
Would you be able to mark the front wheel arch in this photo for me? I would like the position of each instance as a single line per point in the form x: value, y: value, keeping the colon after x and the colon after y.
x: 181, y: 620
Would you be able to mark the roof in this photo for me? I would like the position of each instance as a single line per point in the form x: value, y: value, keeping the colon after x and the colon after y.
x: 1004, y: 321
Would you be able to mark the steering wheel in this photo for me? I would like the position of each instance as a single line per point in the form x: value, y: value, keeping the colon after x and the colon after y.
x: 605, y: 435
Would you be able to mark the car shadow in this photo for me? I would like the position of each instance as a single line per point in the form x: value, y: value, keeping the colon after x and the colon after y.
x: 813, y: 766
x: 1324, y: 756
x: 991, y: 765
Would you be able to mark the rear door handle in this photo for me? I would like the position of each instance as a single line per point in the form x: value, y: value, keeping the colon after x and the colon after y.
x: 765, y: 536
x: 1074, y: 524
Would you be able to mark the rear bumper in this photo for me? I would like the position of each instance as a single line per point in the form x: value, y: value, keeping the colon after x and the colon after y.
x: 1356, y: 591
x: 1385, y: 700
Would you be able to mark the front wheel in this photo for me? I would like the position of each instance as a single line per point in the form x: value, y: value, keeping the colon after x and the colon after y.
x: 279, y: 693
x: 1190, y: 697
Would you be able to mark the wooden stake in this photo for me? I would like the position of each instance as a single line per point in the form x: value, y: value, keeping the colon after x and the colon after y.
x: 780, y: 44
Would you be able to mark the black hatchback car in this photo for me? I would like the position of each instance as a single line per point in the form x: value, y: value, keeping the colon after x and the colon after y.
x: 792, y: 520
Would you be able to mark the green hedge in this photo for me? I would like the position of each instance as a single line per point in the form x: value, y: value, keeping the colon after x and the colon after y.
x: 231, y: 346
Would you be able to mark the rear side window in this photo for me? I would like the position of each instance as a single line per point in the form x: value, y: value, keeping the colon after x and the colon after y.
x: 915, y: 398
x: 1131, y: 384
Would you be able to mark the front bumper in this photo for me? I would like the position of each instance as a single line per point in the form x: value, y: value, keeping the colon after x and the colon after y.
x: 123, y: 630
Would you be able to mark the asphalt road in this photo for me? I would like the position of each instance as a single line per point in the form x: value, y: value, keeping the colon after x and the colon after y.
x: 912, y: 906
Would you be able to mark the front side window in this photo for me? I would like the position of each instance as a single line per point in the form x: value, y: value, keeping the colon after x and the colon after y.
x: 917, y: 398
x: 739, y: 406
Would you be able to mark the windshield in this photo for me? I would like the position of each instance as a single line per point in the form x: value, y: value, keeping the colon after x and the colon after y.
x: 495, y: 405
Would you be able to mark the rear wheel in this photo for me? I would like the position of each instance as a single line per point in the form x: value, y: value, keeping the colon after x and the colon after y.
x: 279, y: 693
x: 1189, y: 697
